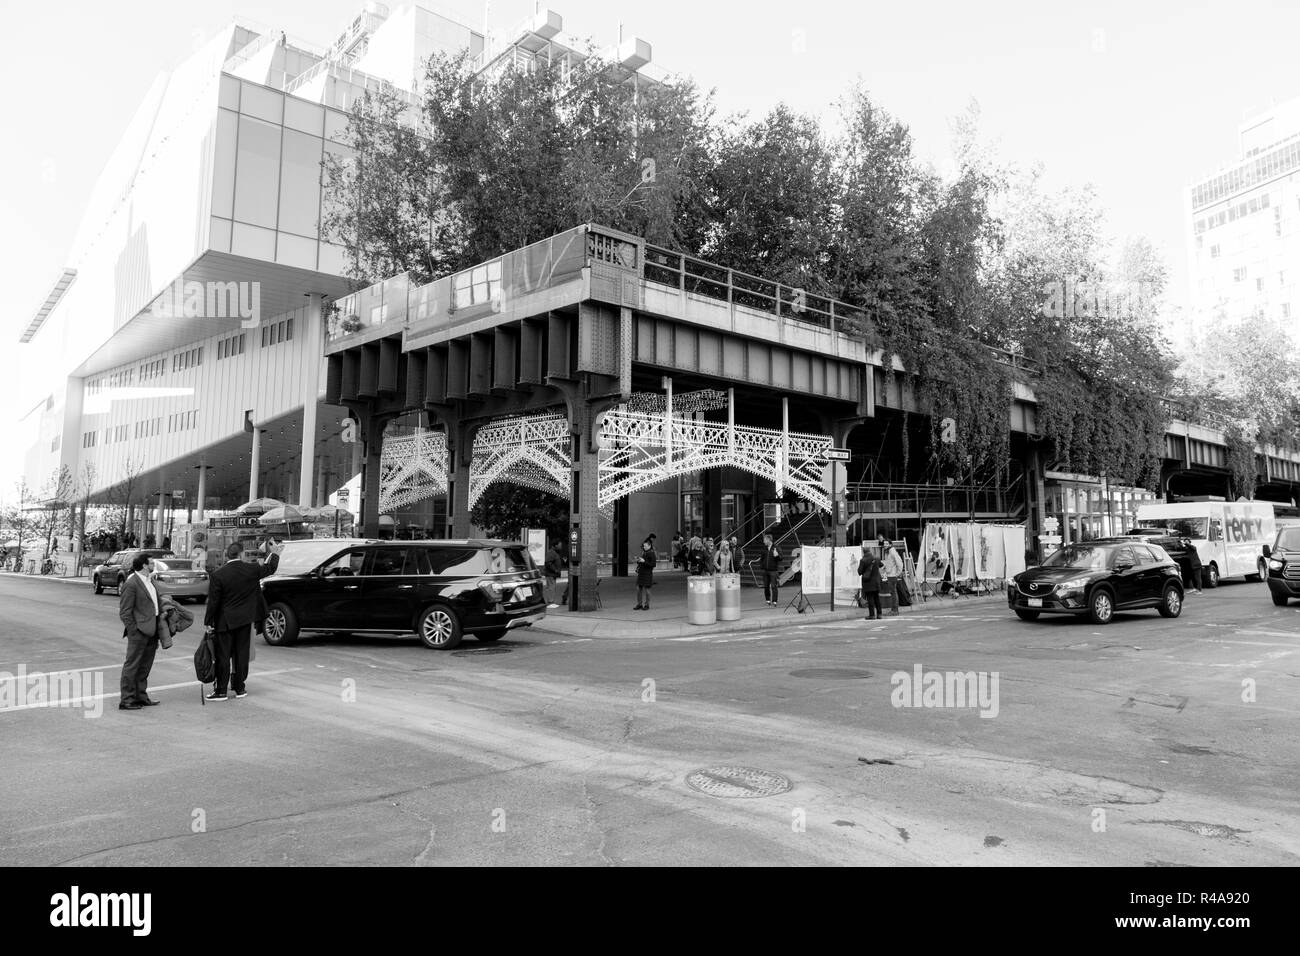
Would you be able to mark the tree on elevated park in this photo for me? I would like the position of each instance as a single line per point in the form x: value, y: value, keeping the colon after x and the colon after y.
x: 941, y: 266
x: 505, y: 509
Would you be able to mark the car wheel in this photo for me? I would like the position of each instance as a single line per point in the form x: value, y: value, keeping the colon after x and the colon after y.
x: 1261, y: 574
x: 121, y: 579
x: 99, y: 588
x: 439, y: 628
x: 1211, y: 575
x: 493, y: 635
x: 1279, y: 599
x: 281, y: 627
x: 1027, y: 615
x: 1101, y: 606
x: 1171, y: 602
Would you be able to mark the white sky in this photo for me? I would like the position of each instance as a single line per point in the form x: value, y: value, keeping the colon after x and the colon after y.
x: 1136, y: 97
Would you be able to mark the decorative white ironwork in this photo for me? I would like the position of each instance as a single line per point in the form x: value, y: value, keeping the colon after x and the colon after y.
x: 532, y: 451
x: 635, y: 455
x: 412, y: 468
x: 684, y: 403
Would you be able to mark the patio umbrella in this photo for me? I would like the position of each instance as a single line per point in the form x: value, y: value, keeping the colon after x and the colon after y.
x: 328, y: 513
x: 11, y: 544
x: 282, y: 515
x: 310, y: 514
x: 259, y: 506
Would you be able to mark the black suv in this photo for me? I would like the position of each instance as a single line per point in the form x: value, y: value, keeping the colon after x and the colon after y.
x: 441, y: 590
x: 113, y: 572
x: 1284, y: 565
x: 1098, y: 578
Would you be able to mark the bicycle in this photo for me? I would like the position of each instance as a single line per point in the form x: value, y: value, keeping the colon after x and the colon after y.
x: 51, y: 566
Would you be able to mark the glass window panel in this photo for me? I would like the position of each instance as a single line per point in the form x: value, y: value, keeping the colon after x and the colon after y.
x: 300, y: 174
x: 219, y: 235
x: 263, y: 103
x: 257, y: 178
x: 253, y: 241
x: 336, y: 125
x: 229, y: 95
x: 303, y: 116
x: 296, y: 251
x: 223, y: 165
x: 333, y: 259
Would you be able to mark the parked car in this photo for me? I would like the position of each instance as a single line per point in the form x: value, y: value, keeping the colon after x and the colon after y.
x: 113, y: 572
x: 1176, y: 546
x: 439, y: 589
x: 177, y: 577
x: 1284, y: 565
x: 1097, y: 579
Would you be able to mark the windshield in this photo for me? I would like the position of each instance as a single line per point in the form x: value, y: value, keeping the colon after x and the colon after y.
x: 1193, y: 527
x: 171, y: 564
x: 1077, y: 556
x: 1288, y: 539
x: 301, y: 557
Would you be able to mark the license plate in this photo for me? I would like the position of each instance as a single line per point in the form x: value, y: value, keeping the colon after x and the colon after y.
x: 1034, y: 602
x: 523, y: 593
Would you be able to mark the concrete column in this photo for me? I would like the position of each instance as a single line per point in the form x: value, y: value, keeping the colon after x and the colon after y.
x: 161, y: 530
x: 586, y: 486
x: 203, y: 490
x: 322, y: 476
x: 622, y: 537
x: 314, y: 348
x: 255, y: 463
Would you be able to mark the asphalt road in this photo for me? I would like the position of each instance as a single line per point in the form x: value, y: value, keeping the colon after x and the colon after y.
x: 1127, y: 744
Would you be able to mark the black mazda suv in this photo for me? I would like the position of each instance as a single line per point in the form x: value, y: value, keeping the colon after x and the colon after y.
x: 441, y: 590
x: 1098, y: 578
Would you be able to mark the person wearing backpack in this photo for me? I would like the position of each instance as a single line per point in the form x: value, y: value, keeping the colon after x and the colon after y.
x: 869, y: 572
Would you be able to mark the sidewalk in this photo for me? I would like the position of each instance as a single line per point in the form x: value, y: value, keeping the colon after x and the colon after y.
x: 667, y: 616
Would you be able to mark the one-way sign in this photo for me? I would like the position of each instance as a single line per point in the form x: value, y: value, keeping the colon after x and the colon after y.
x: 836, y: 454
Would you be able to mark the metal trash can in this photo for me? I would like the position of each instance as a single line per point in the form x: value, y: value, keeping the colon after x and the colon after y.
x: 701, y: 600
x: 728, y: 597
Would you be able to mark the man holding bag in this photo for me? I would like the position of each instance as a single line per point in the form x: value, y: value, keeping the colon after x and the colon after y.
x: 234, y: 605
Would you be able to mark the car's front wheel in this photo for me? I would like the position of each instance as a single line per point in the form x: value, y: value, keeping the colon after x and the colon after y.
x: 99, y: 588
x: 1027, y: 615
x: 121, y: 579
x: 439, y: 628
x: 1171, y: 602
x: 1211, y: 575
x: 1261, y: 574
x: 1101, y: 606
x: 281, y: 627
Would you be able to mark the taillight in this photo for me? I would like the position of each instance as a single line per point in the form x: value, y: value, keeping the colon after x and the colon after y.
x: 493, y: 590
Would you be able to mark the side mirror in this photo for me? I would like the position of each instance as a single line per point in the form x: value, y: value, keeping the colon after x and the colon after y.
x: 1268, y: 550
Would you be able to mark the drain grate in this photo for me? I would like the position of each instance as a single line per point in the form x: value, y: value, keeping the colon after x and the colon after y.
x: 475, y: 651
x: 745, y: 782
x: 831, y: 673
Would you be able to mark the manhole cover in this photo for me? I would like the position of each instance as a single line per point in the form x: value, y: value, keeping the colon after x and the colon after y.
x: 481, y: 650
x: 831, y: 673
x: 737, y: 782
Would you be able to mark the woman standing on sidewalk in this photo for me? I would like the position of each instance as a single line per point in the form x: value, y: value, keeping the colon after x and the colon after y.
x: 645, y: 575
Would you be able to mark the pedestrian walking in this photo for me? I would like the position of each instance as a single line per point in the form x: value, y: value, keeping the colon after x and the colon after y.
x: 893, y: 569
x: 1193, y: 565
x: 551, y: 572
x: 139, y: 609
x: 675, y: 551
x: 645, y: 575
x: 234, y: 604
x: 770, y: 565
x: 869, y: 572
x: 737, y: 554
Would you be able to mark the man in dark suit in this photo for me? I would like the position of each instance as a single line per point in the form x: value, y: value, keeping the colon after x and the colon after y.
x: 138, y: 607
x: 235, y: 604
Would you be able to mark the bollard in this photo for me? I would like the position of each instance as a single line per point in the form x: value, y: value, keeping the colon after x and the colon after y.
x: 701, y: 600
x: 728, y: 597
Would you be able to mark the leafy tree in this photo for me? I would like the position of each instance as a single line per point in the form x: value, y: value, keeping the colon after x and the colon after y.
x: 504, y: 509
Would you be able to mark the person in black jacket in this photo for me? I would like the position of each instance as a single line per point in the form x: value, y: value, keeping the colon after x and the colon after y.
x: 1192, y: 567
x: 551, y: 571
x: 869, y: 571
x: 234, y: 604
x: 645, y: 574
x: 770, y: 564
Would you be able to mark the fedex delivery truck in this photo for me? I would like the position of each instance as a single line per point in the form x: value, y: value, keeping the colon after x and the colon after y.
x: 1229, y: 536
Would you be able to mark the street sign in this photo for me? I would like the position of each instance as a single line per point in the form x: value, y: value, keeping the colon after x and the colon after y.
x: 234, y: 521
x: 178, y: 494
x: 836, y: 454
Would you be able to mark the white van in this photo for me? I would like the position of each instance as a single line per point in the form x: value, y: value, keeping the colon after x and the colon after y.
x: 1230, y: 536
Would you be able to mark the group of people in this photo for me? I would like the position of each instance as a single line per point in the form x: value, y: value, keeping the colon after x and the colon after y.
x: 235, y: 608
x: 702, y: 555
x: 873, y: 571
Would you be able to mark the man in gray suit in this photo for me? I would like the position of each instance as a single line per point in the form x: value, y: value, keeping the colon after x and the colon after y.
x: 138, y: 608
